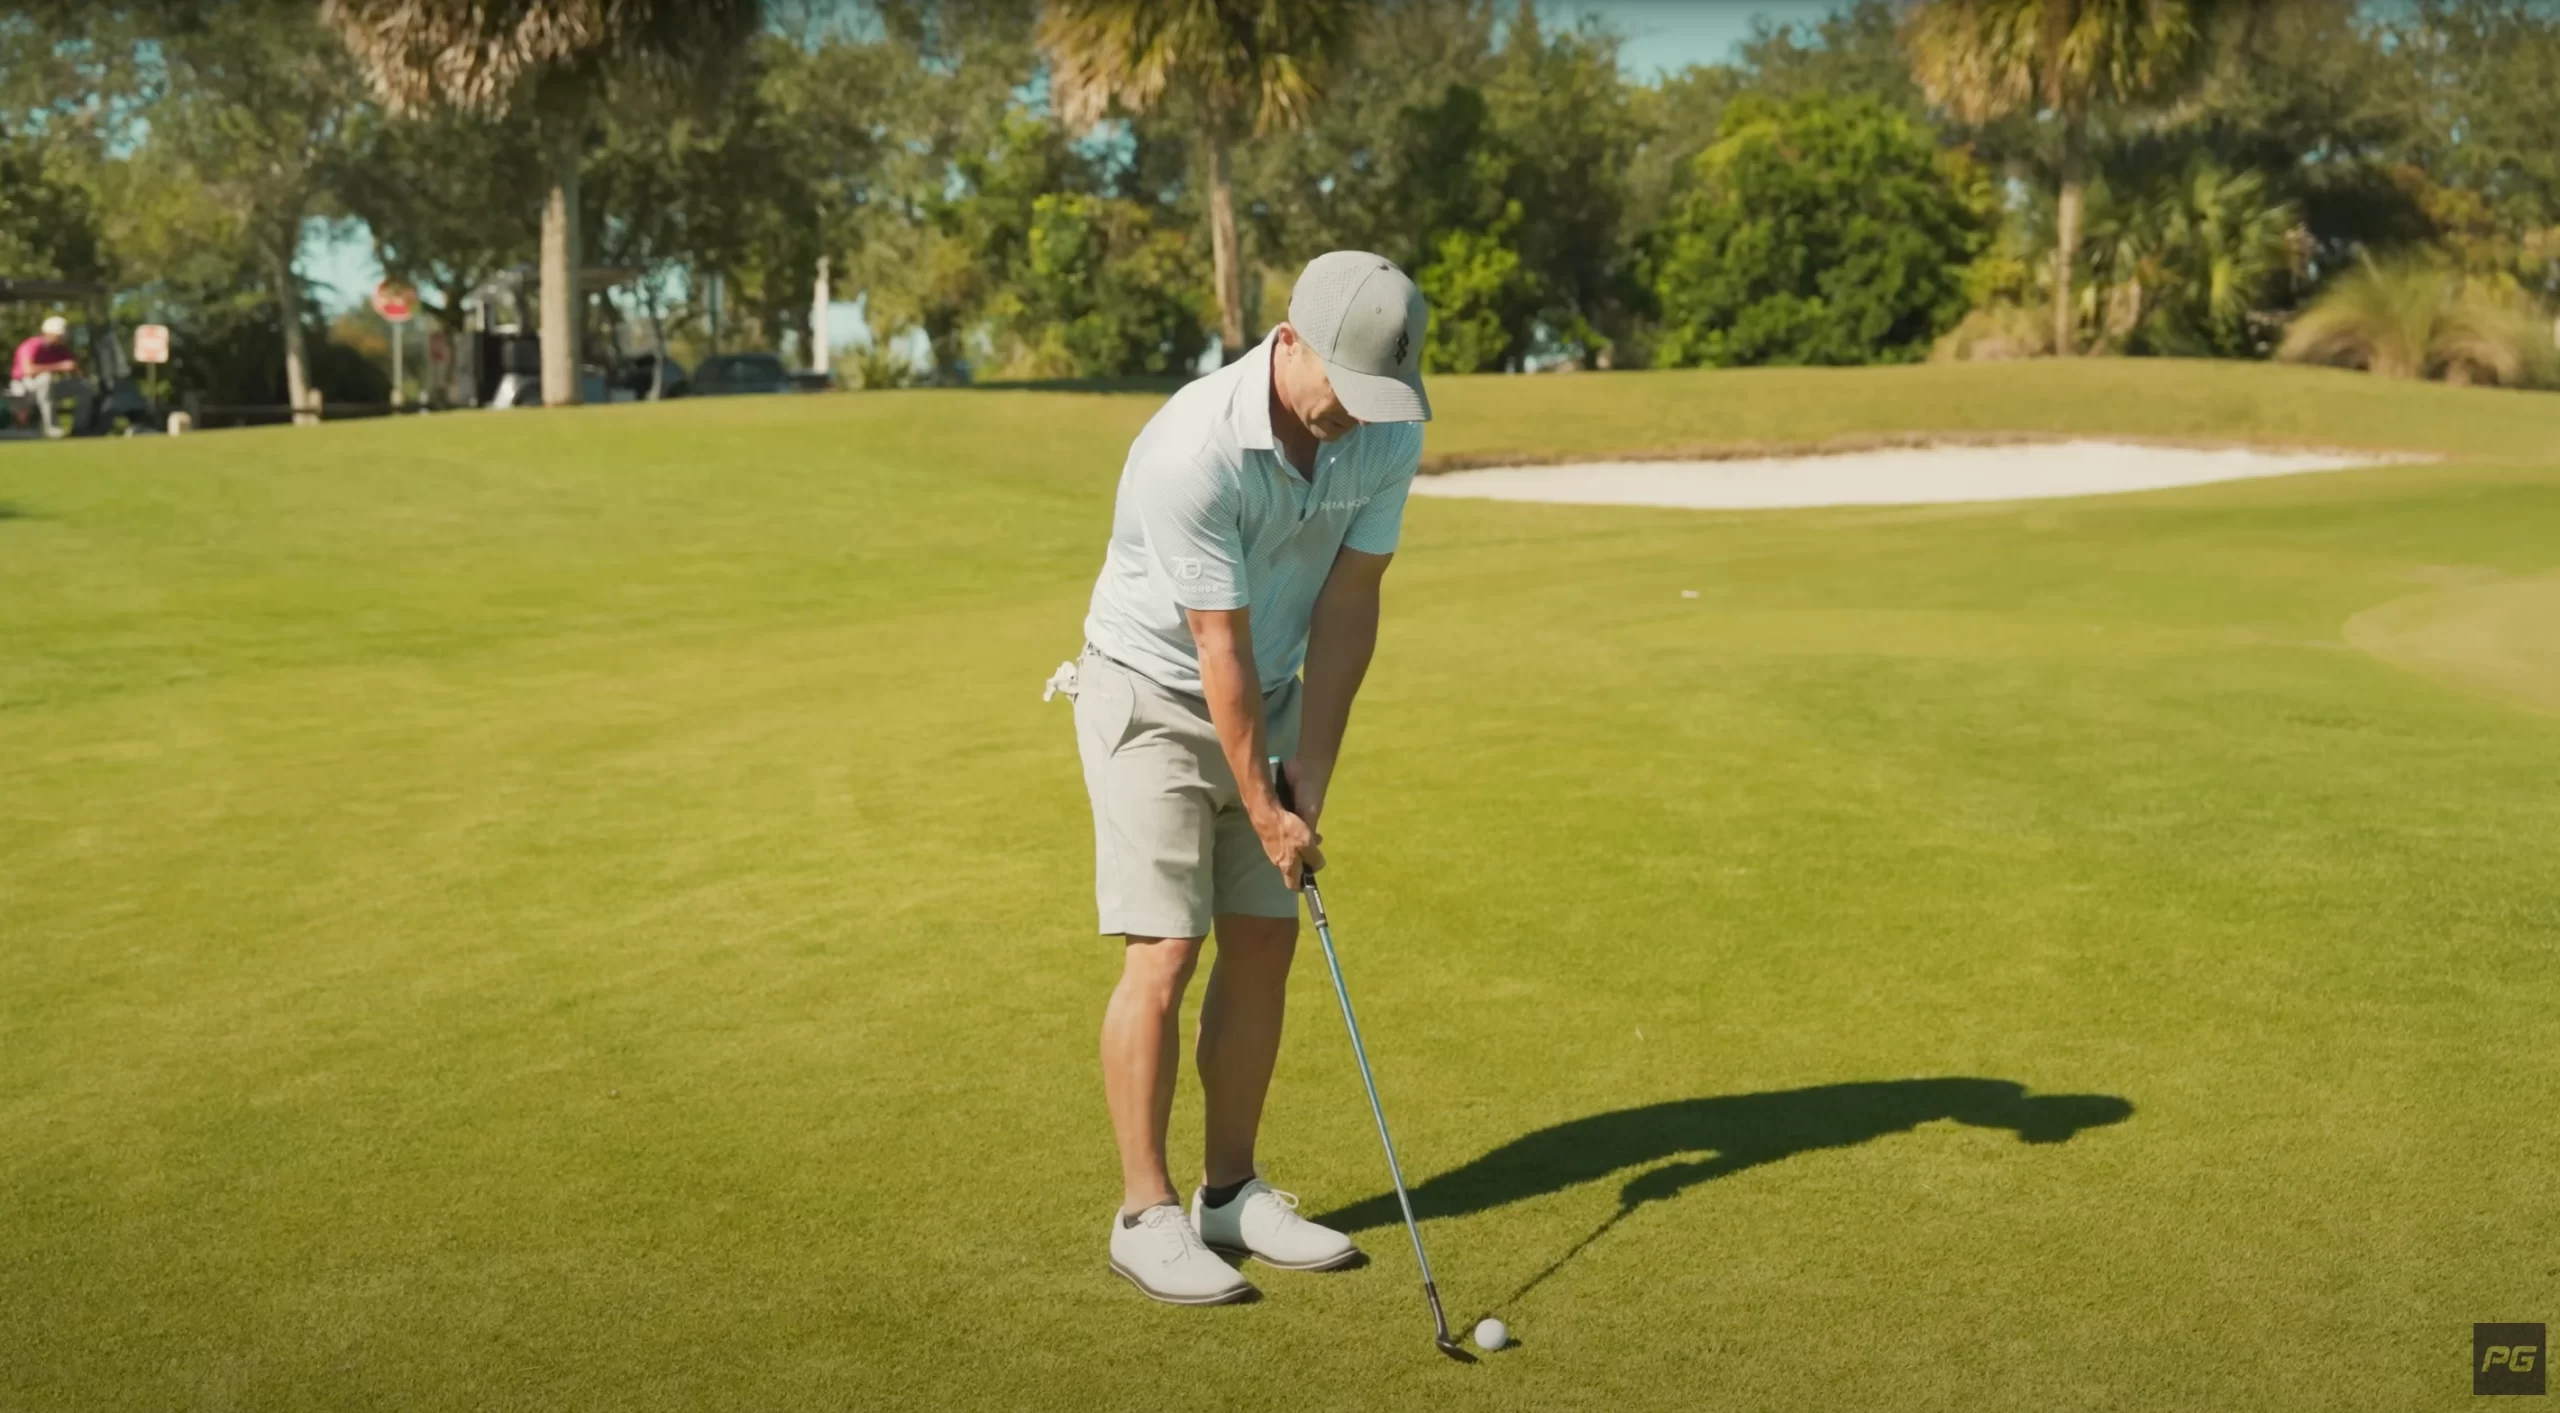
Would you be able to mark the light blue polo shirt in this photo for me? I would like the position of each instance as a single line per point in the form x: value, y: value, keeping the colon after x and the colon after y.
x: 1211, y: 516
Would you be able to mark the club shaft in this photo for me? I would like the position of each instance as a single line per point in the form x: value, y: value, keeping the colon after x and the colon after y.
x: 1360, y: 1052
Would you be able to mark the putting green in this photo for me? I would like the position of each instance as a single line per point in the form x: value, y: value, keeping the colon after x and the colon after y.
x: 588, y: 910
x: 2500, y: 640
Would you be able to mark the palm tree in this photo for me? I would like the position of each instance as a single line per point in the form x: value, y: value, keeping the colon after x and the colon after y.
x: 488, y: 56
x: 2182, y: 251
x: 1252, y: 65
x: 2421, y: 320
x: 1985, y: 60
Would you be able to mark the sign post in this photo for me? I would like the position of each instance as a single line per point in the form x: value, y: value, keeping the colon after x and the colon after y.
x: 439, y: 362
x: 397, y: 304
x: 151, y: 345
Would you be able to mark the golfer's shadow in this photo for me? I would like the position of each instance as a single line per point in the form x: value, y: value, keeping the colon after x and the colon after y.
x: 1721, y: 1135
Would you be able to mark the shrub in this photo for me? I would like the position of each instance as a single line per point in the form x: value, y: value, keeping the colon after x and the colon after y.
x: 1477, y: 290
x: 1996, y: 332
x: 1105, y: 288
x: 1827, y: 231
x: 2417, y: 319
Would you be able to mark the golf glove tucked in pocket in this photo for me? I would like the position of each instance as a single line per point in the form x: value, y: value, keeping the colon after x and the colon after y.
x: 1062, y: 680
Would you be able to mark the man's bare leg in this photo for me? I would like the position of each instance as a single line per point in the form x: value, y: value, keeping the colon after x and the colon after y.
x: 1240, y: 1037
x: 1140, y: 1056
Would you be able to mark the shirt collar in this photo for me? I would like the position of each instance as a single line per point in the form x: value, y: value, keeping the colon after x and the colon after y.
x: 1252, y: 410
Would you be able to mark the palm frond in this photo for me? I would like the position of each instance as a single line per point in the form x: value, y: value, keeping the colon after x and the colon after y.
x: 480, y: 55
x: 1982, y: 60
x: 1255, y: 60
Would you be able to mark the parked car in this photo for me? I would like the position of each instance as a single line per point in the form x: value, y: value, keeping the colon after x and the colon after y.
x: 726, y: 373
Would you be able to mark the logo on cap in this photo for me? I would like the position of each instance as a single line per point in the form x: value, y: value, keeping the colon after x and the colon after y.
x: 1404, y: 345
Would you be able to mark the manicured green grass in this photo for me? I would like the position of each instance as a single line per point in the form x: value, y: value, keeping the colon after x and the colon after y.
x: 588, y: 910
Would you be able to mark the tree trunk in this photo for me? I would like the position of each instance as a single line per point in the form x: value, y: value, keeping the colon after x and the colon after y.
x: 288, y: 291
x: 658, y: 338
x: 560, y: 264
x: 2066, y: 243
x: 819, y: 297
x: 1222, y: 246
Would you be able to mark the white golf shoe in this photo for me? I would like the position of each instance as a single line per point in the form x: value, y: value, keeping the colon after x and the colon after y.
x: 1263, y: 1222
x: 1163, y: 1256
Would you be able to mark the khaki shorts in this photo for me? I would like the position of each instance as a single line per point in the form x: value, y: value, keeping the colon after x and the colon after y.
x: 1172, y: 847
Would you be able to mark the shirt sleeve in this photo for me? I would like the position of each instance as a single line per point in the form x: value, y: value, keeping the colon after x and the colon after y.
x: 1375, y: 529
x: 1193, y: 517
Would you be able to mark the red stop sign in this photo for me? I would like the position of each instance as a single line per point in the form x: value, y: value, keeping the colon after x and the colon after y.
x: 395, y: 302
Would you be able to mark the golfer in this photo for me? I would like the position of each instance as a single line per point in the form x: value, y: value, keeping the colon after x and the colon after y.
x: 1255, y: 517
x: 37, y: 362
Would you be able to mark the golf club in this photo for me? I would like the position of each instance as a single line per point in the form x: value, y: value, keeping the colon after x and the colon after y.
x: 1360, y: 1052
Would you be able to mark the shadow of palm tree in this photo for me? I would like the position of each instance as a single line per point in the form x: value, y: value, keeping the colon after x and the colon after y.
x: 1727, y: 1133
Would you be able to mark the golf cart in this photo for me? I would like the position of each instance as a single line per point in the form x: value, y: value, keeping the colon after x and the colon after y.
x: 102, y: 399
x: 502, y: 355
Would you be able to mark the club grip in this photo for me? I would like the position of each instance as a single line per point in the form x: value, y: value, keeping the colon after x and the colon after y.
x: 1289, y: 802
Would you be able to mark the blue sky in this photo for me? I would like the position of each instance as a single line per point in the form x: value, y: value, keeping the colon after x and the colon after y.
x: 1661, y: 36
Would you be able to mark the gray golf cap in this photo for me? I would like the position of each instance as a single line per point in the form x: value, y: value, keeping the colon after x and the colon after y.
x: 1366, y: 320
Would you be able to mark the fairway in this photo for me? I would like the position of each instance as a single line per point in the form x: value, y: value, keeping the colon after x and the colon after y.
x: 588, y: 910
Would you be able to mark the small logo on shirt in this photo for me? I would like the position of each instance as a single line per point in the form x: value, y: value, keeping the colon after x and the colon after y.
x: 1342, y: 504
x: 1186, y: 570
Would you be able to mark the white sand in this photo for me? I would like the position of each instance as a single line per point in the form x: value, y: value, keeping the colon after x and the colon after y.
x: 1899, y: 476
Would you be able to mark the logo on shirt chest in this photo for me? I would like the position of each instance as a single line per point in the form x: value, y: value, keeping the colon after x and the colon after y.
x: 1332, y: 505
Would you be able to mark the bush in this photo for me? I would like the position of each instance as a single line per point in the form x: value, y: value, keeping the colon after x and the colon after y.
x: 2418, y: 319
x: 1477, y: 290
x: 1996, y: 332
x: 1104, y: 289
x: 1827, y: 231
x: 873, y: 368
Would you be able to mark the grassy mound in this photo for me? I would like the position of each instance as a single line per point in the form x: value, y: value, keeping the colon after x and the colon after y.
x: 588, y: 910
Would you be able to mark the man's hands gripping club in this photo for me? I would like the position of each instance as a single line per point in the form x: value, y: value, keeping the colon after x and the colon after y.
x: 1234, y: 692
x: 1341, y: 635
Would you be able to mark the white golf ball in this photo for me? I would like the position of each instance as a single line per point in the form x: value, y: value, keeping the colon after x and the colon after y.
x: 1491, y: 1334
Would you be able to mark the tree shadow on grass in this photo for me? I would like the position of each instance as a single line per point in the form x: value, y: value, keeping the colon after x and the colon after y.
x: 1720, y: 1135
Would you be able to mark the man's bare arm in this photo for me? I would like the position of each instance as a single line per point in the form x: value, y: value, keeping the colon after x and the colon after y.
x: 1233, y: 688
x: 1340, y: 638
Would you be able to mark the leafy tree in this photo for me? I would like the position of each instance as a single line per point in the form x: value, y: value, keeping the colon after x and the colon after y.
x: 1104, y: 290
x: 1250, y: 66
x: 552, y: 57
x: 1479, y: 293
x: 1985, y: 60
x: 1854, y: 50
x: 450, y: 199
x: 951, y: 73
x: 1556, y: 102
x: 1450, y: 119
x: 48, y: 223
x: 2308, y: 94
x: 2487, y: 136
x: 254, y: 101
x: 1826, y: 231
x: 1399, y: 150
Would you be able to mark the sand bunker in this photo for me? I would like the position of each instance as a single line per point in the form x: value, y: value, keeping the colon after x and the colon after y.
x: 1934, y: 475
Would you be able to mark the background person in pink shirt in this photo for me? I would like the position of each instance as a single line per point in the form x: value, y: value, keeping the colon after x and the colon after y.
x: 38, y: 362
